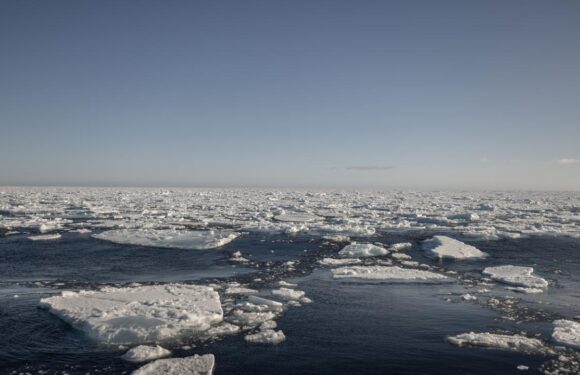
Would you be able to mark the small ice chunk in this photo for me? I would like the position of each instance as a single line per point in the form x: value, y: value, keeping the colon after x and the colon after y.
x: 400, y: 246
x: 567, y: 332
x: 288, y: 294
x: 169, y: 238
x: 138, y: 314
x: 443, y: 247
x: 338, y: 262
x: 145, y: 353
x: 468, y: 297
x: 287, y: 284
x: 268, y: 336
x: 336, y: 238
x: 401, y: 256
x: 363, y: 250
x: 521, y: 289
x: 523, y: 367
x: 498, y: 341
x: 45, y: 237
x: 386, y: 273
x: 266, y: 302
x: 516, y: 275
x: 196, y: 365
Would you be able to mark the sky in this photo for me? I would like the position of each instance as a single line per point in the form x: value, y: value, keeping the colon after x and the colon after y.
x: 304, y: 93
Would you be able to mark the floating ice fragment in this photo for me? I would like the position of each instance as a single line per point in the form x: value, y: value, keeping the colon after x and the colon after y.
x: 268, y: 336
x: 196, y: 365
x: 338, y: 262
x: 441, y: 247
x: 45, y: 237
x: 356, y: 250
x: 301, y: 217
x: 386, y: 273
x: 400, y: 246
x: 168, y: 238
x: 139, y: 314
x: 516, y: 275
x: 145, y: 353
x: 567, y: 332
x: 497, y: 341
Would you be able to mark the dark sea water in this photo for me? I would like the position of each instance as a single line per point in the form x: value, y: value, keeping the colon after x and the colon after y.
x: 349, y: 328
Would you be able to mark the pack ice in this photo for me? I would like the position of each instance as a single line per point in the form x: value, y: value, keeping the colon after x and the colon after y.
x: 169, y: 238
x: 443, y: 247
x: 386, y: 273
x: 138, y: 314
x: 516, y: 275
x: 196, y: 365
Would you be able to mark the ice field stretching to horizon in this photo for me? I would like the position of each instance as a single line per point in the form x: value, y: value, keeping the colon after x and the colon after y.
x: 245, y: 281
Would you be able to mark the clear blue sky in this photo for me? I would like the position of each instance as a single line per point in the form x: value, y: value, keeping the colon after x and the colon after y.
x: 385, y: 94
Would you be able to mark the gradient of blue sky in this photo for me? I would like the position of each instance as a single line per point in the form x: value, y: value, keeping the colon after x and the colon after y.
x: 390, y: 94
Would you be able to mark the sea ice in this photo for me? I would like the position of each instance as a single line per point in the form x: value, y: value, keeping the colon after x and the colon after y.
x: 268, y: 336
x: 386, y: 273
x: 567, y: 332
x: 288, y: 294
x: 497, y: 341
x: 362, y: 250
x: 301, y: 217
x: 196, y: 365
x: 338, y: 262
x: 169, y: 238
x: 516, y: 275
x: 145, y: 353
x: 45, y: 237
x: 138, y: 314
x: 441, y: 247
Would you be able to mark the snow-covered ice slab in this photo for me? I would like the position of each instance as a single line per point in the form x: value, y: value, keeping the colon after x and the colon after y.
x: 387, y: 273
x: 196, y: 365
x: 362, y: 250
x: 443, y: 247
x: 516, y: 275
x: 497, y: 341
x: 168, y: 238
x: 140, y: 314
x: 145, y: 353
x: 567, y: 332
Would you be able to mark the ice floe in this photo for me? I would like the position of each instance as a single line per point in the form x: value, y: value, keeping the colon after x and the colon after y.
x: 332, y: 262
x: 386, y: 273
x: 196, y: 365
x: 499, y: 341
x: 145, y: 353
x: 443, y: 247
x: 567, y: 332
x: 362, y: 250
x: 516, y: 275
x: 138, y: 314
x: 45, y: 237
x: 268, y: 336
x: 177, y: 239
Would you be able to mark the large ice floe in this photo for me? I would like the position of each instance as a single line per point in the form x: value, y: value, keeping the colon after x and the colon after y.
x: 567, y: 332
x: 177, y: 239
x: 516, y: 275
x: 386, y: 273
x: 362, y: 250
x: 196, y: 365
x: 499, y: 341
x: 138, y: 314
x: 443, y: 247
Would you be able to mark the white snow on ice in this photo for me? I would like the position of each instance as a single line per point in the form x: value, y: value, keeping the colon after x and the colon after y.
x: 386, y: 273
x: 138, y: 314
x: 443, y: 247
x: 189, y: 240
x: 196, y: 365
x: 362, y: 250
x: 516, y: 275
x: 567, y: 332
